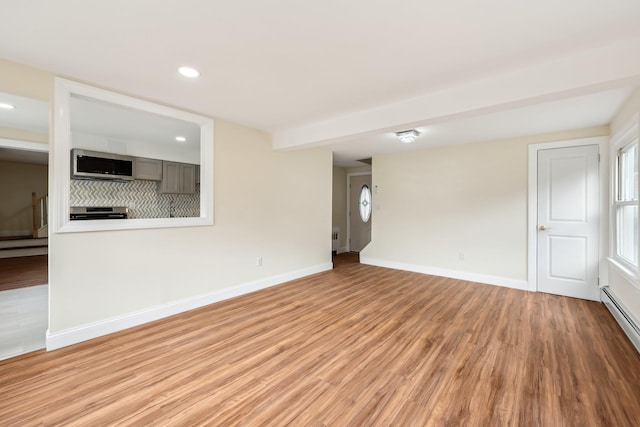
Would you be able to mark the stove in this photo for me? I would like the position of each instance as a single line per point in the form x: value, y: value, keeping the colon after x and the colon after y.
x: 80, y: 213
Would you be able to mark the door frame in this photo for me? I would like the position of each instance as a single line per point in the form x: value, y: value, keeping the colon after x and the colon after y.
x: 532, y: 221
x: 349, y: 175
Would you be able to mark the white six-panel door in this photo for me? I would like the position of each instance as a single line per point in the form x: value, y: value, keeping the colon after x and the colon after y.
x: 567, y: 221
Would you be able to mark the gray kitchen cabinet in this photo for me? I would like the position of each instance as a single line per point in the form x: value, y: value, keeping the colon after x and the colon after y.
x: 147, y: 169
x: 178, y: 178
x: 188, y: 181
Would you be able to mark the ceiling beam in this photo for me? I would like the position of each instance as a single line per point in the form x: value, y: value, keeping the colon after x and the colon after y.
x: 606, y: 67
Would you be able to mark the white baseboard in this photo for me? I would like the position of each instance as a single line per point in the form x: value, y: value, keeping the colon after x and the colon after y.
x: 89, y: 331
x: 453, y: 274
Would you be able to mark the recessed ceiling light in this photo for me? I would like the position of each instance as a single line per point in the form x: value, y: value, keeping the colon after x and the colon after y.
x: 189, y: 72
x: 6, y: 106
x: 181, y: 138
x: 407, y: 136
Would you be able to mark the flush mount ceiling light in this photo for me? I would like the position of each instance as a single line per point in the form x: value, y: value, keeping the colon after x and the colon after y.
x: 189, y: 72
x: 407, y: 136
x: 181, y: 138
x: 6, y: 106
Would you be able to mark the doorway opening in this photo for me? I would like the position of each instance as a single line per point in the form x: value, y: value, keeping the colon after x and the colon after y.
x: 358, y: 210
x: 24, y: 215
x: 344, y: 177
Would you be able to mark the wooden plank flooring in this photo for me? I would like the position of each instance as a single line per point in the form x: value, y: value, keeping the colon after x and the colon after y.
x: 357, y: 346
x: 21, y: 272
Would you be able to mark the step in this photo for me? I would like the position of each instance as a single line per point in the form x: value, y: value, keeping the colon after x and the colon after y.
x: 26, y: 251
x: 23, y: 243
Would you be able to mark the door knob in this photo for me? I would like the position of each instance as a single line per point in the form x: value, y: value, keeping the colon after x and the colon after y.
x: 543, y: 228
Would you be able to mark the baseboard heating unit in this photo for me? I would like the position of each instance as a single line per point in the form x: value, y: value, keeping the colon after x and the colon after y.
x: 628, y: 324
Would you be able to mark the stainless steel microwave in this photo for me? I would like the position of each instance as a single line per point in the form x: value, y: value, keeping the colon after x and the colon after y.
x: 95, y: 165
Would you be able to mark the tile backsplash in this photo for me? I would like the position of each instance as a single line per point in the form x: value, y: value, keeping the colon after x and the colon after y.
x: 141, y: 197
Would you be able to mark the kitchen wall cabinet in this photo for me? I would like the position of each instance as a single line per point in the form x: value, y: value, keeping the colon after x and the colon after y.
x: 147, y: 169
x: 178, y: 178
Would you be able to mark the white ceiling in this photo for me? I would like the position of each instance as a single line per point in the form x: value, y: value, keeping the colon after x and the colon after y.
x: 28, y: 114
x: 124, y: 124
x: 571, y: 113
x: 96, y: 118
x: 279, y: 65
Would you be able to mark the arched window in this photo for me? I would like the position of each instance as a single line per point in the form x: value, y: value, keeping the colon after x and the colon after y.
x: 364, y: 203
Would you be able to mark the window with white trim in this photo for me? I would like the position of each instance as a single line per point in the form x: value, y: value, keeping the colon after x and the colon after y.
x: 364, y: 203
x: 625, y: 204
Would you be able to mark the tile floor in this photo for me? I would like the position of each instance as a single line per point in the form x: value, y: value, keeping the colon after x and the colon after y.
x: 23, y: 320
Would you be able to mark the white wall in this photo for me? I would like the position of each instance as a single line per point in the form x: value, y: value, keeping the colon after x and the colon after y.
x: 23, y: 135
x: 358, y: 169
x: 18, y: 79
x: 624, y: 290
x: 457, y: 210
x: 270, y: 204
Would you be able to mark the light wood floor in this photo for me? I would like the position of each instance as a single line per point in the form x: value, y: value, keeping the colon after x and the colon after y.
x: 21, y: 272
x: 359, y: 345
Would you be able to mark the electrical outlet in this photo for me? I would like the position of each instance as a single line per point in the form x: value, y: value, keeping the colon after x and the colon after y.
x: 461, y: 256
x: 259, y: 261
